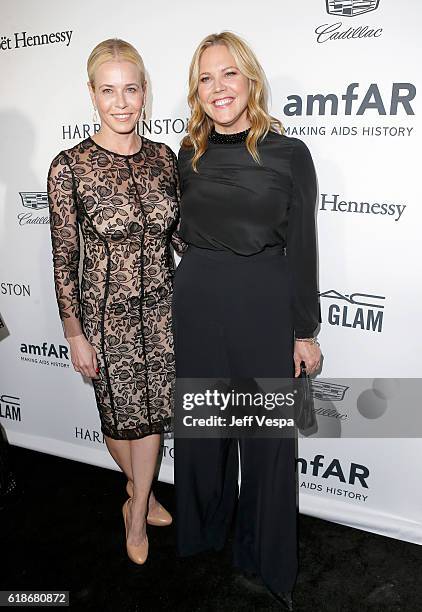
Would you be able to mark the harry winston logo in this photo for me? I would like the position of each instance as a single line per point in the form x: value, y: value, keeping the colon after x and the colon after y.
x: 351, y: 8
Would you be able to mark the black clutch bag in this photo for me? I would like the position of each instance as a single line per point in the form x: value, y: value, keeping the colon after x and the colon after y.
x: 305, y: 410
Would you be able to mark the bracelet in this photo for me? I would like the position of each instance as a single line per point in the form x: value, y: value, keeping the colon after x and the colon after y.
x: 312, y: 340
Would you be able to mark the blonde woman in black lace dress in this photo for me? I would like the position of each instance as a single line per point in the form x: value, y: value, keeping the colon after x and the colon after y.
x: 120, y: 190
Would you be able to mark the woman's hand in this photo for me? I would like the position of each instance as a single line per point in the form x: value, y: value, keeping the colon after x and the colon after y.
x: 308, y: 352
x: 83, y: 356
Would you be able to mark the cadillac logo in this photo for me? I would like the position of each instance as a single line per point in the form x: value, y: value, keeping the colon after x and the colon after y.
x: 351, y: 8
x: 34, y: 199
x: 328, y: 391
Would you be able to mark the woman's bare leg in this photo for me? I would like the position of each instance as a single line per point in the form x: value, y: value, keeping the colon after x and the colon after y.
x: 120, y: 450
x: 144, y: 454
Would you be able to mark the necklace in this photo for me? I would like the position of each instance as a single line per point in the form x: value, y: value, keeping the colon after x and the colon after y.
x: 218, y: 138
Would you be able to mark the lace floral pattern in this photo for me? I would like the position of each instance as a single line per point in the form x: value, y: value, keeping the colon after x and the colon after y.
x: 126, y: 207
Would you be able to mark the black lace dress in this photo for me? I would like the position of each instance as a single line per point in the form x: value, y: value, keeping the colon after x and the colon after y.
x: 126, y: 207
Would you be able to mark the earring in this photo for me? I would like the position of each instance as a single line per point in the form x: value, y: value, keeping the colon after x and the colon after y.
x: 95, y: 116
x: 143, y: 113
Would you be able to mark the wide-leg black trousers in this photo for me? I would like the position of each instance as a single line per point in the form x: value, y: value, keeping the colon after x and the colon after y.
x: 232, y: 319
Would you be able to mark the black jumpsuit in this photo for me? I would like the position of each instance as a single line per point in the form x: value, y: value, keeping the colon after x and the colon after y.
x: 246, y: 285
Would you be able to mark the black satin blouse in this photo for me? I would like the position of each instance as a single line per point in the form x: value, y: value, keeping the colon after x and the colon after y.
x: 235, y: 204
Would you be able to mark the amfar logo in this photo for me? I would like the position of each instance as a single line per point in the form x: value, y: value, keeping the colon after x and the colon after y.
x: 35, y: 201
x: 351, y: 8
x: 361, y: 310
x: 10, y: 408
x: 45, y: 354
x: 370, y: 99
x: 357, y: 475
x: 347, y: 8
x: 356, y: 472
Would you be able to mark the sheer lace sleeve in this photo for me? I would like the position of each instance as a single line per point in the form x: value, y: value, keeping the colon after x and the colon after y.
x: 176, y: 241
x: 65, y: 243
x: 301, y: 242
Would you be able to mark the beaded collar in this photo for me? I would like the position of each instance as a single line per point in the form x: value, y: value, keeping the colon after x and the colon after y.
x: 218, y: 138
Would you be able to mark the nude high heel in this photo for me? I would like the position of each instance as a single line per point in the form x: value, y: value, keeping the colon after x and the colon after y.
x: 159, y: 517
x: 137, y: 554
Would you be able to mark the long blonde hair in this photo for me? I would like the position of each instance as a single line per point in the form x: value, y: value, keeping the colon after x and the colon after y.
x: 112, y: 49
x: 200, y: 125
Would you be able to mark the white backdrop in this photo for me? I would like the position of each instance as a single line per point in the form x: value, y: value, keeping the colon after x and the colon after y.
x: 362, y: 129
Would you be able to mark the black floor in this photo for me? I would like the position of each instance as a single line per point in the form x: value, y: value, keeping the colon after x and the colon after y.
x: 66, y: 532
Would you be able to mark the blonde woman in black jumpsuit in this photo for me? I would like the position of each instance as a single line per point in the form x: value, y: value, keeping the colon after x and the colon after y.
x: 245, y: 304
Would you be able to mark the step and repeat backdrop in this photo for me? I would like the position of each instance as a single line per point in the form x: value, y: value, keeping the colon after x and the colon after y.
x: 344, y: 78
